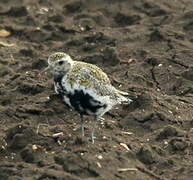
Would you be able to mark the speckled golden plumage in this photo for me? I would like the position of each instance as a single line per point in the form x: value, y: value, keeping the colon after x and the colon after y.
x: 87, y: 75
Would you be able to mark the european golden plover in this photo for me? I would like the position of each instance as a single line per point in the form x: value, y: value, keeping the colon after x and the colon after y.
x: 84, y: 87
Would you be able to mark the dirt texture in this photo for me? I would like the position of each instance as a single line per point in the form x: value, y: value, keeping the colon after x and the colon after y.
x: 145, y: 47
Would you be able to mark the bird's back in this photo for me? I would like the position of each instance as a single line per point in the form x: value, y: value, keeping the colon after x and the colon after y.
x: 87, y: 75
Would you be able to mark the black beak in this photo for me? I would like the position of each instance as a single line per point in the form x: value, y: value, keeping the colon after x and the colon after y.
x: 45, y: 70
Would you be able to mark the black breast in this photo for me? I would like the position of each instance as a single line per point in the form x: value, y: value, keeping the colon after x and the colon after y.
x: 79, y: 100
x: 58, y: 83
x: 83, y: 102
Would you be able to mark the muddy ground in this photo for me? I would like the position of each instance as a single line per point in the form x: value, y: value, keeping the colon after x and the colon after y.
x: 146, y: 48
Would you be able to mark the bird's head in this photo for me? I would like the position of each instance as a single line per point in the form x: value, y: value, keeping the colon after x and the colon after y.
x: 59, y: 63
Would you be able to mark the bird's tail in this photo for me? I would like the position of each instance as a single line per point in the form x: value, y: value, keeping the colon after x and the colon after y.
x: 123, y: 97
x: 122, y: 92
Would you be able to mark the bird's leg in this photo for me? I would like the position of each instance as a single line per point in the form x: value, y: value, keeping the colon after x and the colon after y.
x: 82, y: 124
x: 93, y: 128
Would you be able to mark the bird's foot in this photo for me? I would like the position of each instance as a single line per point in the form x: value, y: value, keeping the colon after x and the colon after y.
x: 93, y: 139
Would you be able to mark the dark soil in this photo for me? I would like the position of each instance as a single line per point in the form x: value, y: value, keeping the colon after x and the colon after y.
x: 146, y: 48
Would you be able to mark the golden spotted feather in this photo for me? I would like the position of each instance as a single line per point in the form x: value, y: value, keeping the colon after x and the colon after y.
x: 92, y: 77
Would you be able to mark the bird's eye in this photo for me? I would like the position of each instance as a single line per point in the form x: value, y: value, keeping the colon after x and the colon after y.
x: 60, y: 62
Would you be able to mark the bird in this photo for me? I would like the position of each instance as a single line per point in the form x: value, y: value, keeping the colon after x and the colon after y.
x: 84, y: 87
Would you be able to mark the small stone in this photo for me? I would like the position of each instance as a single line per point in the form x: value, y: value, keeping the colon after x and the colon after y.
x: 100, y: 157
x: 34, y: 147
x: 4, y: 33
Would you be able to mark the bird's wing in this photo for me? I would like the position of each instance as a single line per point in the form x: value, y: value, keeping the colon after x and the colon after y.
x: 95, y: 73
x: 87, y: 75
x: 92, y: 79
x: 122, y: 92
